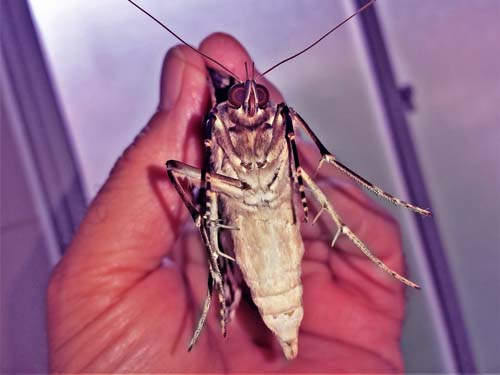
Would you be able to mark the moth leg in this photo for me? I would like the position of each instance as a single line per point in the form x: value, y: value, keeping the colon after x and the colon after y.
x: 204, y: 314
x: 208, y: 226
x: 221, y: 184
x: 214, y: 274
x: 210, y: 215
x: 224, y: 255
x: 207, y: 169
x: 279, y: 132
x: 326, y: 156
x: 224, y: 142
x: 172, y: 174
x: 213, y: 231
x: 344, y: 229
x: 290, y: 137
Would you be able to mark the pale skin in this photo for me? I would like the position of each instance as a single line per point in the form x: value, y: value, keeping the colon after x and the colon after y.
x: 115, y: 305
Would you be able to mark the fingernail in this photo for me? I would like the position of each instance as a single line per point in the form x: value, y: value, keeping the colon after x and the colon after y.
x: 171, y: 78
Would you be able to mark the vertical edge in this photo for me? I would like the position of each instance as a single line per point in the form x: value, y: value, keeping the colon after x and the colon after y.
x: 403, y: 144
x: 40, y: 128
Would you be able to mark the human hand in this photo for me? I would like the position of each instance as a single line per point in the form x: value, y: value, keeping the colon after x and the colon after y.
x: 115, y: 305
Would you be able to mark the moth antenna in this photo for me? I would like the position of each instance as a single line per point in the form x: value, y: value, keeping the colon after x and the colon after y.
x: 253, y: 71
x: 246, y: 70
x: 318, y: 40
x: 183, y: 41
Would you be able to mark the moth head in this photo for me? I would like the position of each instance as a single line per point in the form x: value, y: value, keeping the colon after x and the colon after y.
x: 250, y: 96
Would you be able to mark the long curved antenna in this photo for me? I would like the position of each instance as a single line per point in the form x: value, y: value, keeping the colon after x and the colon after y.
x: 318, y: 40
x: 184, y: 42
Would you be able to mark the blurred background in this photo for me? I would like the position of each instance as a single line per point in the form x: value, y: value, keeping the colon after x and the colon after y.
x: 407, y: 95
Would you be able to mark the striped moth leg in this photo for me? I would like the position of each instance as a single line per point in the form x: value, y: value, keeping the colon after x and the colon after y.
x: 209, y: 226
x: 297, y: 169
x: 327, y: 157
x: 344, y: 229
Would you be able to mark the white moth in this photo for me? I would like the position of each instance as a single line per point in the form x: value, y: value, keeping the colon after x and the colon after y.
x: 245, y: 207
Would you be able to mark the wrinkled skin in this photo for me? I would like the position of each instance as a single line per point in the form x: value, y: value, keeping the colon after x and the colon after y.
x: 113, y: 306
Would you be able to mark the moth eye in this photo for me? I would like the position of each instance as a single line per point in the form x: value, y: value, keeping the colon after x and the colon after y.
x: 262, y: 95
x: 236, y: 95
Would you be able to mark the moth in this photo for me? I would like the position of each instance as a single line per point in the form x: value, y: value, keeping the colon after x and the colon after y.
x: 245, y: 208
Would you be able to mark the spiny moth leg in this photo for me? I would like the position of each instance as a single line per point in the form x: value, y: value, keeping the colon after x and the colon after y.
x: 220, y: 184
x: 210, y: 212
x: 204, y: 314
x: 211, y: 246
x: 344, y: 229
x: 221, y: 133
x: 326, y: 156
x: 209, y: 229
x: 290, y: 137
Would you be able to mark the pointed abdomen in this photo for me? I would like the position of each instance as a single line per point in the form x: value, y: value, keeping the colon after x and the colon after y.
x: 269, y: 252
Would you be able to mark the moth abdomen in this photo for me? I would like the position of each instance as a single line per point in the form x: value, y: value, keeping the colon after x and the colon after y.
x: 269, y: 254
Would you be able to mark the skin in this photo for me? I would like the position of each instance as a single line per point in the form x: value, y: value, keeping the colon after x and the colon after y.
x: 116, y: 305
